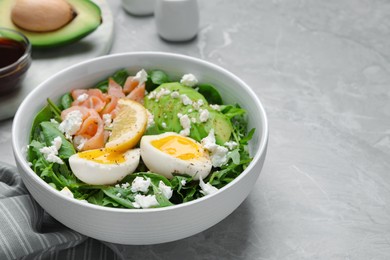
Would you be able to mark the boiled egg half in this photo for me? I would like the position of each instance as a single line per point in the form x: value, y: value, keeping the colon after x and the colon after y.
x: 104, y: 167
x: 170, y: 153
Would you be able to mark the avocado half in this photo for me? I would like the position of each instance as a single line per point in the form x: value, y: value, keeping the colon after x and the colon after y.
x: 88, y: 18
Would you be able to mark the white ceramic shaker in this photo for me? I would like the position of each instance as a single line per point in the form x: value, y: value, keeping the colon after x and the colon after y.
x: 177, y: 20
x: 139, y: 7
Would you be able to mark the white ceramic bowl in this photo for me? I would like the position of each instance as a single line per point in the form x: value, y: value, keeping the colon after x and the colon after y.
x: 141, y: 226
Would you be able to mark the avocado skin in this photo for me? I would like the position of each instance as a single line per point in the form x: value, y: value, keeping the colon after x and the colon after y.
x: 167, y: 108
x: 88, y: 18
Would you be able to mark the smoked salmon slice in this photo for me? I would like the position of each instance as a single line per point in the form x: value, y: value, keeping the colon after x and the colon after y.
x: 93, y: 104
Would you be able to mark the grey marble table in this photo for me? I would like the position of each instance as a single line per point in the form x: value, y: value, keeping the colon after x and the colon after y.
x: 322, y: 71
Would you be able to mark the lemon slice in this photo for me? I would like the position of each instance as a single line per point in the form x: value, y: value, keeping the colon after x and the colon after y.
x: 128, y: 126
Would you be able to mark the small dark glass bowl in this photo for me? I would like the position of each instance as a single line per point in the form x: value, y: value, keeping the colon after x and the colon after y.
x: 12, y: 75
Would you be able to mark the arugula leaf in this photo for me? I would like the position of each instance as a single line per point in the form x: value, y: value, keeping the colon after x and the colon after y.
x: 123, y: 199
x: 161, y: 199
x: 232, y: 111
x: 235, y: 156
x: 248, y: 137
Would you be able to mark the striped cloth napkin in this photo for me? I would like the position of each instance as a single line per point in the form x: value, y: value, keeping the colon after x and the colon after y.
x: 27, y: 232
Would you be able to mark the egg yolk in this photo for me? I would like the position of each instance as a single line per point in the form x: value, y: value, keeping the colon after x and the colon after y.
x: 103, y: 156
x: 178, y: 147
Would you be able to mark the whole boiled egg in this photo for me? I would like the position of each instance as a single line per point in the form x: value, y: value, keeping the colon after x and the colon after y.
x: 170, y: 153
x: 103, y: 167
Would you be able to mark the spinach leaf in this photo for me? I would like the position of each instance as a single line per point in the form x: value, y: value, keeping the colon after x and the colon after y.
x: 66, y: 101
x: 210, y: 93
x: 50, y: 131
x: 44, y: 115
x: 96, y: 198
x: 155, y: 79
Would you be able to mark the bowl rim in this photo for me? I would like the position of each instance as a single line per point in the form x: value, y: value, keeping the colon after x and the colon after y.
x: 20, y: 157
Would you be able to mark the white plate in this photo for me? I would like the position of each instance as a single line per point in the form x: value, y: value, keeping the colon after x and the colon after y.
x: 50, y: 61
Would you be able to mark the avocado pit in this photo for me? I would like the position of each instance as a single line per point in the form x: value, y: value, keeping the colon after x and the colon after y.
x: 41, y: 15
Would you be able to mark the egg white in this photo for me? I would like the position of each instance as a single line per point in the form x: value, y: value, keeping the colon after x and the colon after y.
x: 96, y: 173
x: 164, y: 164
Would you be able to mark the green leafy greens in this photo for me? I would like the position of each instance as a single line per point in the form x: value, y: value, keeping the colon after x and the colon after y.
x: 230, y: 118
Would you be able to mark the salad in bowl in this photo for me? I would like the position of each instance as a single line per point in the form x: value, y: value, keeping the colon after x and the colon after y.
x: 140, y: 139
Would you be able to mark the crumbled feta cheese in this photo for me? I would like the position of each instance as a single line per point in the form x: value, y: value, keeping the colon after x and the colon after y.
x: 71, y: 123
x: 125, y: 185
x: 218, y: 154
x: 193, y: 120
x: 175, y: 94
x: 57, y: 142
x: 107, y: 119
x: 183, y: 182
x: 162, y: 92
x: 164, y: 125
x: 231, y: 145
x: 141, y: 76
x: 185, y: 132
x: 186, y: 100
x: 50, y: 152
x: 79, y: 142
x: 189, y: 80
x: 203, y: 115
x: 207, y: 188
x: 165, y: 189
x: 54, y: 159
x: 142, y: 201
x: 150, y: 119
x: 185, y: 122
x: 152, y: 95
x: 198, y: 104
x: 66, y: 192
x: 117, y: 186
x: 140, y: 184
x: 215, y: 107
x: 82, y: 97
x: 118, y: 194
x: 48, y: 149
x: 209, y: 141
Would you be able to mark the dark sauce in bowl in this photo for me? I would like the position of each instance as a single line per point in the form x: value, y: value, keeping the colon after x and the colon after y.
x: 15, y: 59
x: 10, y: 51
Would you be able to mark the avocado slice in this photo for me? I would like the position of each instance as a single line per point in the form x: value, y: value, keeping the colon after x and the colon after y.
x: 88, y: 18
x: 166, y: 109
